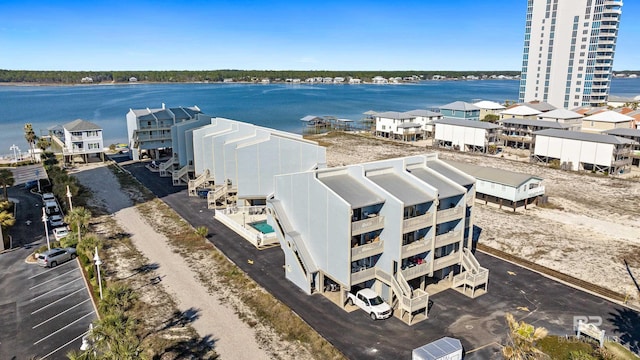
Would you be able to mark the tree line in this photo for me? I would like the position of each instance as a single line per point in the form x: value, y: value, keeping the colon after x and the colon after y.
x: 76, y: 77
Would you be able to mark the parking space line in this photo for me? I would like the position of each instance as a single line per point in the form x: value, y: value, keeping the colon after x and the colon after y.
x: 49, y: 292
x: 51, y: 303
x: 56, y: 350
x: 69, y: 309
x: 44, y: 282
x: 57, y: 331
x: 51, y: 269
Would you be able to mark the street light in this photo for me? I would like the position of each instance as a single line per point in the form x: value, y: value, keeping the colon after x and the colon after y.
x: 46, y: 228
x: 15, y: 152
x: 96, y: 258
x: 69, y: 196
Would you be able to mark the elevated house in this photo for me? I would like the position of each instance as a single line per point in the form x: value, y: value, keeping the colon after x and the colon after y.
x: 563, y: 116
x: 631, y: 134
x: 460, y: 110
x: 502, y: 187
x: 465, y: 135
x: 78, y: 141
x: 606, y: 120
x: 425, y: 118
x: 489, y: 108
x: 398, y: 126
x: 520, y: 111
x: 149, y: 130
x: 573, y: 150
x: 519, y: 133
x: 397, y: 226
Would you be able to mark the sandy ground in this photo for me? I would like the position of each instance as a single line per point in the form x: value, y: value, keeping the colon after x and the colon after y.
x: 233, y: 338
x: 590, y: 229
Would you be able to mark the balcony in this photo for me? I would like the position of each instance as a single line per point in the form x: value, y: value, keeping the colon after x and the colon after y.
x: 446, y: 261
x: 416, y: 247
x: 416, y: 270
x: 367, y: 250
x: 417, y: 223
x: 443, y: 216
x: 609, y: 26
x: 538, y: 191
x: 621, y: 151
x: 363, y: 274
x: 448, y: 238
x: 371, y: 223
x: 606, y: 42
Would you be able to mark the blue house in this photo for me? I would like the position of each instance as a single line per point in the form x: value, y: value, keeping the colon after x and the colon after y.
x: 460, y: 110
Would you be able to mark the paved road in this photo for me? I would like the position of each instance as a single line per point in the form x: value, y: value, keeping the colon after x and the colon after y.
x: 478, y: 323
x: 43, y: 312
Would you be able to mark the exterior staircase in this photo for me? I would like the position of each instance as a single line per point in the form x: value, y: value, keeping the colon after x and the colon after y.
x: 472, y: 276
x: 166, y: 168
x: 194, y: 184
x: 181, y: 177
x: 213, y: 196
x: 410, y: 301
x: 299, y: 248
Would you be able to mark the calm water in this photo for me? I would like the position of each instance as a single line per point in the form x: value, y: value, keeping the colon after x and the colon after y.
x: 277, y: 106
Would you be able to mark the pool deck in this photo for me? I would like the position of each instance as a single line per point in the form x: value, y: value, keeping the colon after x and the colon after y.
x: 239, y: 221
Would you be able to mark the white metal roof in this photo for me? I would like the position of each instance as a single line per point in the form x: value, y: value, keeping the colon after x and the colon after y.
x: 401, y: 188
x: 560, y: 114
x: 609, y: 116
x: 488, y: 105
x: 583, y: 136
x: 350, y: 189
x: 522, y: 110
x: 467, y: 123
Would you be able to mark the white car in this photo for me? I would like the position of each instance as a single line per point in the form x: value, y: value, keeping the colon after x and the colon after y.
x: 48, y: 197
x: 60, y: 233
x: 56, y: 221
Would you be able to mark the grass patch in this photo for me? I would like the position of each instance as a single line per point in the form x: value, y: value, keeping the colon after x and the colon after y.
x: 619, y: 351
x: 559, y: 347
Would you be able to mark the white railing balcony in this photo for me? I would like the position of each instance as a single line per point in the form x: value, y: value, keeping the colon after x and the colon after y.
x: 538, y: 191
x: 448, y: 260
x: 449, y: 214
x: 419, y: 301
x: 448, y: 238
x: 371, y: 223
x: 416, y: 247
x: 417, y: 222
x: 77, y: 137
x: 414, y: 271
x: 366, y: 250
x: 362, y: 275
x: 470, y: 279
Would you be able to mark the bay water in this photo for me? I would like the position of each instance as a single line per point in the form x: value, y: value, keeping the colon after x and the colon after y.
x: 278, y: 106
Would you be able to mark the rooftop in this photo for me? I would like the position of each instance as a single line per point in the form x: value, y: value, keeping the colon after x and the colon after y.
x: 488, y: 105
x: 521, y: 110
x: 538, y: 123
x: 349, y: 188
x: 467, y: 123
x: 401, y: 188
x: 494, y: 175
x: 460, y: 105
x: 431, y: 177
x: 609, y: 116
x: 582, y: 136
x: 81, y: 125
x: 560, y: 114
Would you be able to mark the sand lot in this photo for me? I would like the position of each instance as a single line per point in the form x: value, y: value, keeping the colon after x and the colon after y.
x: 592, y: 223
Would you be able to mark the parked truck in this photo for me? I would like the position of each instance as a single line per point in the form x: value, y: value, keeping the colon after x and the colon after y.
x: 369, y: 301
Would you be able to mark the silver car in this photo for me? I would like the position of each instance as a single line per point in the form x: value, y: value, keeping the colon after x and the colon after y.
x: 53, y: 257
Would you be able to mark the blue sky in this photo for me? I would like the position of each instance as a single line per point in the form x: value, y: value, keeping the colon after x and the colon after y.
x: 275, y: 35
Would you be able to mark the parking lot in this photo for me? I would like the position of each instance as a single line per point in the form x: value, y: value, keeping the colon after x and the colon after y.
x: 44, y: 312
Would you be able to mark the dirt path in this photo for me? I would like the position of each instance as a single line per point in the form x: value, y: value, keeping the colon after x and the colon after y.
x: 233, y: 338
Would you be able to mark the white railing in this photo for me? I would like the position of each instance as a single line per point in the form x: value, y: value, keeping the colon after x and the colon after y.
x: 416, y: 247
x: 366, y: 250
x: 195, y: 183
x: 249, y: 210
x: 165, y: 167
x: 420, y: 300
x: 238, y: 228
x: 537, y: 191
x: 417, y: 223
x: 177, y: 176
x: 447, y: 238
x: 448, y: 260
x: 448, y: 214
x: 362, y: 275
x: 213, y: 196
x: 369, y: 224
x: 416, y: 270
x: 289, y: 230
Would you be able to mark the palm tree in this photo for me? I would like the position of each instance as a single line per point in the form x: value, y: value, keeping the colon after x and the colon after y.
x: 6, y: 179
x: 113, y: 336
x: 523, y: 338
x: 117, y: 298
x: 79, y: 217
x: 31, y: 137
x: 43, y: 143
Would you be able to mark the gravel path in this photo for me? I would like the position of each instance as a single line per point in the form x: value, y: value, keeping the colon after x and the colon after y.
x: 233, y: 338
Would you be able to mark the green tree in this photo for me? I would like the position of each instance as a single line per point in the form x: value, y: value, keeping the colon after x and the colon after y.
x: 31, y: 138
x: 6, y: 180
x: 43, y: 144
x: 492, y: 118
x: 118, y: 298
x: 522, y: 340
x: 114, y: 337
x: 79, y: 219
x: 202, y: 231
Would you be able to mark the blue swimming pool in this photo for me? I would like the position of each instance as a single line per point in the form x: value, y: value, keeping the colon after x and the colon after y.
x: 262, y: 226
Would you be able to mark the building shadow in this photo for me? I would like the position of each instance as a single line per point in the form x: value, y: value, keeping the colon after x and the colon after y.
x: 626, y: 324
x: 475, y: 236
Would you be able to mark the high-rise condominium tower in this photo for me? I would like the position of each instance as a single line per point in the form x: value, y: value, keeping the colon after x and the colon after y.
x: 568, y: 51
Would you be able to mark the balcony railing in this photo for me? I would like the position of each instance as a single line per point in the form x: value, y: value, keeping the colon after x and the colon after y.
x: 366, y: 250
x: 448, y: 238
x: 621, y: 151
x: 414, y: 271
x: 417, y: 223
x: 538, y: 191
x: 369, y: 224
x: 416, y: 247
x: 363, y: 274
x: 448, y: 260
x: 449, y: 214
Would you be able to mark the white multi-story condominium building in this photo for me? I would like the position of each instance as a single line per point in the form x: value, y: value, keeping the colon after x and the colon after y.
x: 395, y: 226
x: 78, y: 138
x: 574, y: 150
x: 150, y: 129
x: 568, y: 51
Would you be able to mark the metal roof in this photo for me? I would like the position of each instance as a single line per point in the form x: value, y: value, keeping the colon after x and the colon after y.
x: 423, y: 113
x: 494, y: 175
x: 311, y: 118
x: 445, y: 188
x: 522, y: 110
x: 539, y: 123
x: 439, y: 167
x: 460, y: 105
x: 489, y: 105
x: 560, y: 114
x: 438, y: 349
x: 609, y: 116
x: 81, y: 125
x: 409, y: 125
x: 540, y: 105
x: 394, y: 115
x: 401, y: 188
x: 623, y: 132
x: 467, y: 123
x: 577, y: 135
x: 350, y: 189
